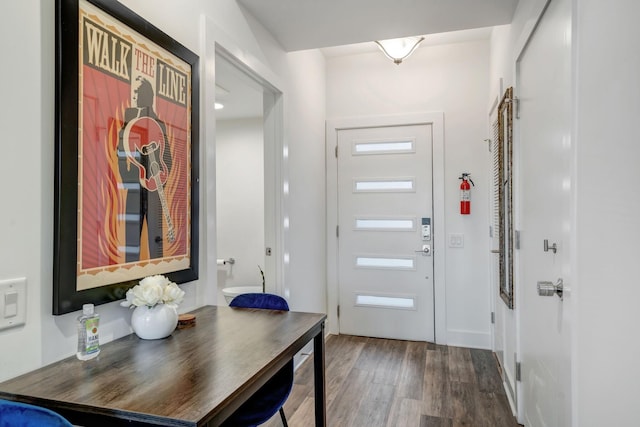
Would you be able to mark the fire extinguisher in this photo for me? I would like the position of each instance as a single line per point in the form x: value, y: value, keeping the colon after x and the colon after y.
x: 465, y: 193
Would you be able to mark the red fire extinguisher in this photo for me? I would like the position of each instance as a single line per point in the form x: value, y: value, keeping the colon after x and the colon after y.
x: 465, y: 193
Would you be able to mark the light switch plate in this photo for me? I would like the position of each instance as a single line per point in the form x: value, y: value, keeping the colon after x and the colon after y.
x: 456, y: 240
x: 13, y: 302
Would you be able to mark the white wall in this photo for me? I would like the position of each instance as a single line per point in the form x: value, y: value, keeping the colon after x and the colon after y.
x: 307, y: 235
x: 507, y: 41
x: 505, y: 328
x: 501, y: 62
x: 451, y: 79
x: 27, y: 118
x: 607, y: 350
x: 240, y: 201
x: 506, y: 44
x: 27, y: 244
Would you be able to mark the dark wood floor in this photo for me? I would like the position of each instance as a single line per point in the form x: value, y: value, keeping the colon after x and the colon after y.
x: 383, y: 383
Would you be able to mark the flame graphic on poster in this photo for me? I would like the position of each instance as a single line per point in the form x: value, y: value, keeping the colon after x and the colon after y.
x: 113, y: 196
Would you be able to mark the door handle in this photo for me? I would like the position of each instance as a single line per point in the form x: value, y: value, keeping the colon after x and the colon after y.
x: 553, y: 248
x: 549, y: 289
x: 426, y: 250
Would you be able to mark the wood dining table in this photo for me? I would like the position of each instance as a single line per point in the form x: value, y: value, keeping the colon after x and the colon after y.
x: 198, y: 376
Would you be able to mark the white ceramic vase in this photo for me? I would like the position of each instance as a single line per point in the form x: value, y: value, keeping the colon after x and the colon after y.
x: 154, y: 323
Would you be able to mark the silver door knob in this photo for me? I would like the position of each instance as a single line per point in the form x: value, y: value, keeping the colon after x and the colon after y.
x: 426, y: 250
x: 549, y: 289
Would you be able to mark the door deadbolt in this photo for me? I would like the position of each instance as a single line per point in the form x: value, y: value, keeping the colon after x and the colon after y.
x: 549, y: 289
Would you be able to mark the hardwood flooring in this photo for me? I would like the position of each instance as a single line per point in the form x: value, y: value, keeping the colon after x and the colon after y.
x: 374, y: 382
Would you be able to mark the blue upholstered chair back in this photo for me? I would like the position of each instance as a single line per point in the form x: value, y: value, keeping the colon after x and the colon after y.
x: 264, y: 301
x: 269, y: 398
x: 16, y: 414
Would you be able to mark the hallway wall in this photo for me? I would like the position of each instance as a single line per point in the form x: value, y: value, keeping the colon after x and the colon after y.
x: 451, y: 79
x: 26, y: 222
x: 506, y: 42
x: 240, y: 215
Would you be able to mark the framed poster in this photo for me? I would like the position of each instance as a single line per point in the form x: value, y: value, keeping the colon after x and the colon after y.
x: 126, y: 172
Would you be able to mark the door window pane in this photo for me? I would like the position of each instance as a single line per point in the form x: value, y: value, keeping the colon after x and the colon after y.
x: 385, y: 262
x: 383, y: 147
x: 384, y: 185
x: 385, y: 224
x: 385, y: 301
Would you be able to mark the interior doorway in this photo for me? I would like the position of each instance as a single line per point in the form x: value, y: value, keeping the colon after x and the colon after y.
x: 248, y: 177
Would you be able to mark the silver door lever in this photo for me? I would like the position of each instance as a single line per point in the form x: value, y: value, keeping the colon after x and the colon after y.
x: 549, y: 289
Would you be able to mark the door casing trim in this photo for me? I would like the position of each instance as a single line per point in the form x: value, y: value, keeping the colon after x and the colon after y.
x: 215, y: 42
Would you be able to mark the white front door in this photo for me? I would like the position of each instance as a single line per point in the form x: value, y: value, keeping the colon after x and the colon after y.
x: 385, y: 217
x: 545, y: 159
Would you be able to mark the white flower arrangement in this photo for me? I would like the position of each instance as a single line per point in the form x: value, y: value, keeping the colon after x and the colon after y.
x: 154, y: 290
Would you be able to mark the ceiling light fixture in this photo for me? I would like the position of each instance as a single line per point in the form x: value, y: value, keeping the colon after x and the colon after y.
x: 218, y: 106
x: 398, y: 50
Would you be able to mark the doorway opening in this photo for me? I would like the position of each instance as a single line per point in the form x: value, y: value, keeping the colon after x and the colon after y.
x: 249, y: 231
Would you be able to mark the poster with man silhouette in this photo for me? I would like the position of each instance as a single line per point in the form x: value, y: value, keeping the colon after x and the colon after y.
x: 134, y: 154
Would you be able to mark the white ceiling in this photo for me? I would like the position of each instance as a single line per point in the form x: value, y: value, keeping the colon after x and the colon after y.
x: 347, y: 27
x: 312, y: 24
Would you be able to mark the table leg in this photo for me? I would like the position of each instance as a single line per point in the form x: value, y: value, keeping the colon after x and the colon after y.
x: 318, y: 378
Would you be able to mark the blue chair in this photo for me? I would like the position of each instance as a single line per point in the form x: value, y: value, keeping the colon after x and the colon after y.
x: 270, y: 398
x: 16, y: 414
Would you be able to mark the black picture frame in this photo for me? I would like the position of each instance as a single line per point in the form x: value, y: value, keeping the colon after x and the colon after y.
x: 69, y: 140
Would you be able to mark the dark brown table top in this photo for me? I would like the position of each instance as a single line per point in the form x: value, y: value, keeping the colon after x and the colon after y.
x: 196, y: 376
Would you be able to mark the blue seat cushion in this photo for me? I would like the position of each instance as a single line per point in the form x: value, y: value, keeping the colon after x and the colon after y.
x: 264, y: 301
x: 16, y: 414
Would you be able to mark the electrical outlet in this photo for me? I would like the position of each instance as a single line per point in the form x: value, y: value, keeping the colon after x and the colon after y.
x: 456, y: 240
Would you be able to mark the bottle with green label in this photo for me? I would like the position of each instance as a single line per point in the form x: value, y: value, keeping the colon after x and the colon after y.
x: 88, y: 342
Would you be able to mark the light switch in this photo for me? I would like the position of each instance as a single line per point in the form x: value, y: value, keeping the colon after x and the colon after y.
x: 10, y: 304
x: 13, y: 302
x: 456, y: 240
